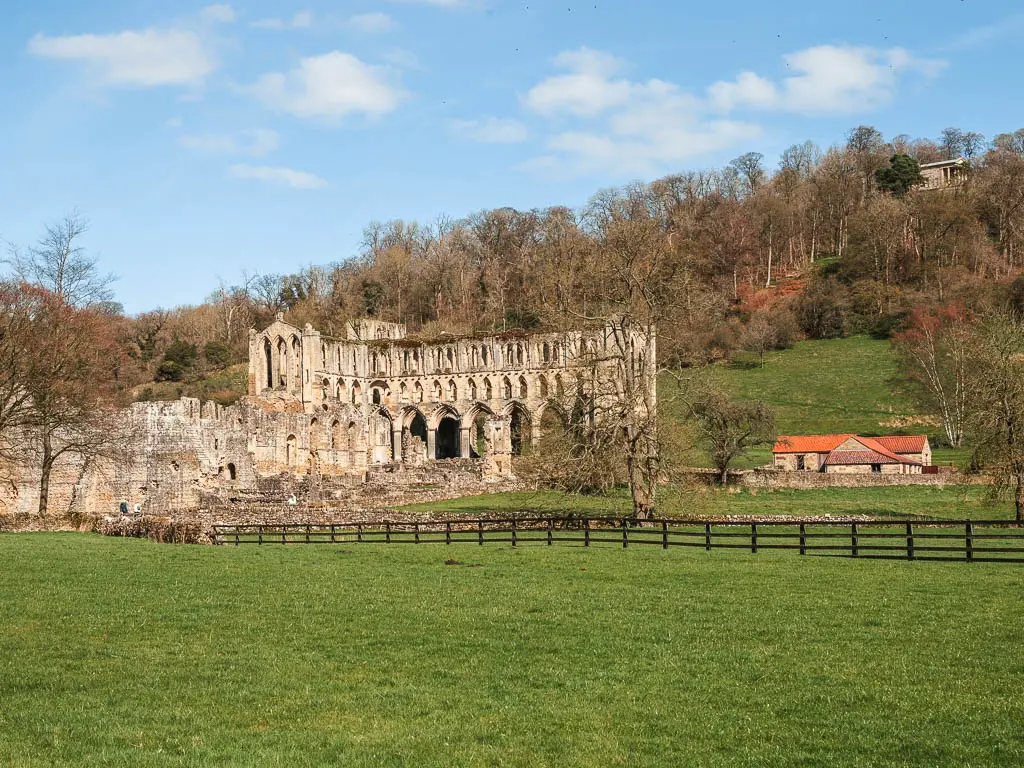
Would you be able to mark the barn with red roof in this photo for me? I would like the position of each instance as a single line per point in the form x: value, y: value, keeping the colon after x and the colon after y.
x: 851, y: 454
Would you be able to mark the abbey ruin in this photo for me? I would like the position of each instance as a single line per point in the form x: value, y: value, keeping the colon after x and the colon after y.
x: 366, y: 416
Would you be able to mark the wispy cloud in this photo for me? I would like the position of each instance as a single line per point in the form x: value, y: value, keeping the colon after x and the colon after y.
x: 146, y: 58
x: 301, y: 20
x: 371, y: 23
x: 491, y: 130
x: 826, y: 79
x: 979, y: 36
x: 330, y: 87
x: 256, y: 142
x: 219, y: 12
x: 277, y: 175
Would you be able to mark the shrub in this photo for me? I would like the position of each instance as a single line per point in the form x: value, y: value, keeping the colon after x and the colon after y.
x: 169, y: 370
x: 217, y: 354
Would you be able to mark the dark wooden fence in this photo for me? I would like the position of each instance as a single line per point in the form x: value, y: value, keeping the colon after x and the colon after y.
x: 969, y: 541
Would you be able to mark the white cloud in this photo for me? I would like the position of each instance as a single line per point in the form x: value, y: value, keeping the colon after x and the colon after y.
x: 402, y: 58
x: 301, y: 20
x: 287, y: 176
x: 330, y: 87
x: 491, y: 130
x: 144, y: 58
x: 256, y: 142
x: 218, y: 12
x: 586, y: 91
x: 371, y: 23
x: 827, y: 79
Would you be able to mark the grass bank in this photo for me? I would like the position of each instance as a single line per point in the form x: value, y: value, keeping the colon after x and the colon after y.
x: 122, y: 652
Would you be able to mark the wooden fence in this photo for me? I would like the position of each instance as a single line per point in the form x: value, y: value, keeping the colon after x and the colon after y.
x: 968, y: 541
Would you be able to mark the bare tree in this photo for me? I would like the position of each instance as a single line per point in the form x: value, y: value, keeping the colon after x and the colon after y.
x: 69, y: 374
x: 997, y: 386
x: 60, y: 264
x: 936, y: 351
x: 729, y: 428
x: 759, y: 335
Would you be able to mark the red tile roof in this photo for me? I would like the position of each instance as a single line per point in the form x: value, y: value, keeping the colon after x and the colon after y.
x: 903, y: 443
x: 887, y: 449
x: 808, y: 443
x: 859, y: 457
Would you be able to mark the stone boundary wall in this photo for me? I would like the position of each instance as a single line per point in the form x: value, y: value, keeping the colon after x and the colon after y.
x: 770, y: 479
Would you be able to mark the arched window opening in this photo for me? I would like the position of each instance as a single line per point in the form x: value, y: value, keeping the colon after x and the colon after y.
x: 547, y: 352
x: 415, y: 441
x: 291, y: 451
x: 519, y: 427
x: 542, y: 383
x: 471, y: 386
x: 437, y: 391
x: 403, y: 392
x: 506, y: 388
x: 479, y: 436
x: 417, y: 392
x: 314, y: 434
x: 523, y: 389
x: 453, y: 391
x: 519, y: 355
x: 405, y: 360
x: 559, y: 387
x: 282, y: 363
x: 336, y: 437
x: 488, y: 390
x: 376, y: 395
x: 450, y: 356
x: 232, y: 472
x: 323, y: 355
x: 484, y: 355
x: 268, y: 354
x: 296, y: 381
x: 341, y: 391
x: 356, y: 393
x: 446, y: 441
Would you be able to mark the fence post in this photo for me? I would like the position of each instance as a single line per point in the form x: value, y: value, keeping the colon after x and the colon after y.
x: 707, y: 537
x: 586, y: 532
x: 332, y: 533
x: 969, y: 541
x: 359, y: 532
x: 480, y: 531
x: 307, y: 532
x: 448, y: 532
x: 236, y: 536
x: 664, y: 534
x: 513, y: 531
x: 416, y: 532
x: 551, y: 525
x: 260, y: 529
x: 753, y: 538
x: 387, y: 531
x: 910, y: 541
x: 803, y: 539
x: 854, y: 541
x: 284, y: 534
x: 625, y: 533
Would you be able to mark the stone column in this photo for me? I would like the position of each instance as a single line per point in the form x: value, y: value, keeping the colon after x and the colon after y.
x: 535, y: 432
x: 431, y: 444
x: 396, y: 443
x: 464, y: 442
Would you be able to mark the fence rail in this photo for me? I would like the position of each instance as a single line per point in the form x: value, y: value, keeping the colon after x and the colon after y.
x: 966, y: 540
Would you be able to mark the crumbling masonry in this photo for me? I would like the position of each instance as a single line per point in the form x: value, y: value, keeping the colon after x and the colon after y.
x: 376, y: 417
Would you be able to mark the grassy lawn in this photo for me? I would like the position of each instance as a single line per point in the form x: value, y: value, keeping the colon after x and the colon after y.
x: 826, y: 387
x: 949, y: 503
x: 122, y: 652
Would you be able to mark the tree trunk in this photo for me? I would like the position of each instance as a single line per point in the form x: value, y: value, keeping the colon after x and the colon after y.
x: 724, y: 477
x: 44, y: 479
x: 1018, y: 499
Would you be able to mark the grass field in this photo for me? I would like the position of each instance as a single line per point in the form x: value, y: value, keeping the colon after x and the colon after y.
x: 122, y: 652
x: 949, y: 503
x: 826, y: 387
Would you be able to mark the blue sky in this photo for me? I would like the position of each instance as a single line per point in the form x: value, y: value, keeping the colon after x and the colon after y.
x: 211, y: 139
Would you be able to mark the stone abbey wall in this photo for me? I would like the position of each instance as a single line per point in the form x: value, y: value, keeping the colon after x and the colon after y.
x: 371, y: 420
